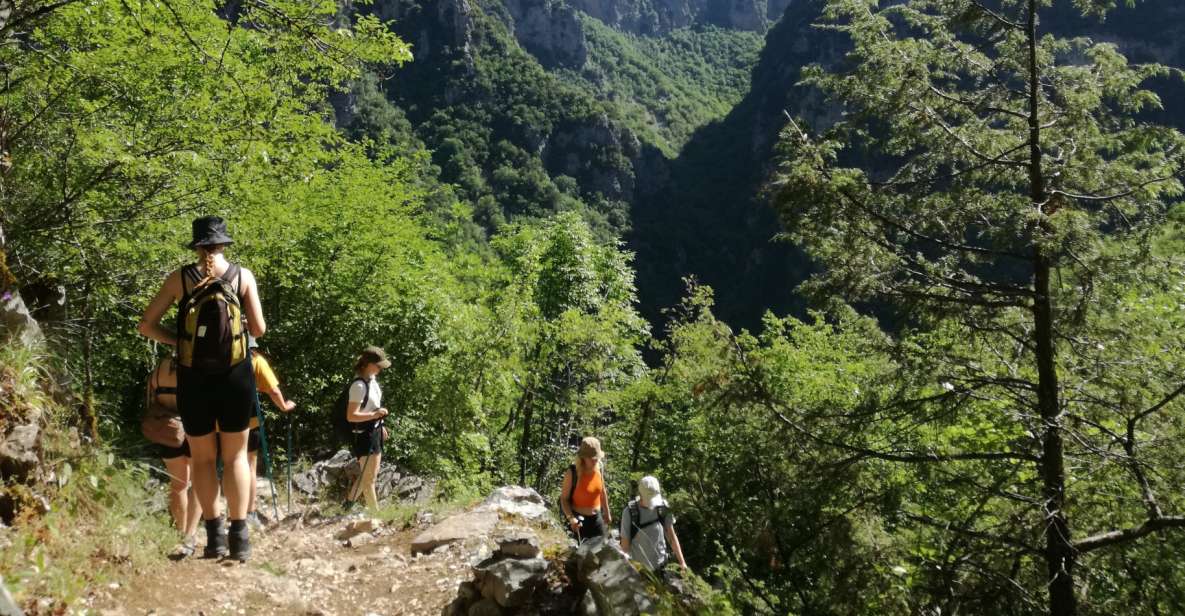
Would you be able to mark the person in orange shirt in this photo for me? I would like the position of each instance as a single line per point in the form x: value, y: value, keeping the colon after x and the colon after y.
x: 266, y: 383
x: 583, y: 497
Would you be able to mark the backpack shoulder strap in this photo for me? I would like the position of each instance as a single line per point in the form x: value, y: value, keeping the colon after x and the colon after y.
x: 189, y: 277
x: 635, y: 517
x: 234, y: 274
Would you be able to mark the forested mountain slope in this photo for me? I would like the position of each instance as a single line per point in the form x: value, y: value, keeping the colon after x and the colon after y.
x: 709, y: 219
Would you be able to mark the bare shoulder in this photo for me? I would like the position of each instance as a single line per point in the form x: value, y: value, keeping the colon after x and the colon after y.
x: 248, y: 277
x: 172, y: 284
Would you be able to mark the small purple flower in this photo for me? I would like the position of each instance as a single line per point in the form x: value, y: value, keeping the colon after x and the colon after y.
x: 7, y: 296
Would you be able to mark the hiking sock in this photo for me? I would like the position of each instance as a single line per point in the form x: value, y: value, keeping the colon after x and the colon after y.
x: 240, y: 542
x: 215, y: 539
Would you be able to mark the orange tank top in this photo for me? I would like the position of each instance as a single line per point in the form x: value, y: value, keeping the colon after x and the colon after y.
x: 588, y: 491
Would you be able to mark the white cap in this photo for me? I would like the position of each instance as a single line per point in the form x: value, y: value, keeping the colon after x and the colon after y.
x: 650, y: 492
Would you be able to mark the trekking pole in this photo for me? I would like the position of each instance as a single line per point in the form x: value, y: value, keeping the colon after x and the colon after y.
x: 267, y: 469
x: 290, y: 420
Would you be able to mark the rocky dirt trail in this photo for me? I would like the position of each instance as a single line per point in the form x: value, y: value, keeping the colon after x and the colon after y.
x: 303, y: 568
x: 351, y: 565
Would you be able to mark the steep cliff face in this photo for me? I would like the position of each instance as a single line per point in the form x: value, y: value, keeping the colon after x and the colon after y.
x: 654, y: 17
x: 548, y: 30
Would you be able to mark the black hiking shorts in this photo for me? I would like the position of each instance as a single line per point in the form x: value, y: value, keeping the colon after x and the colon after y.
x: 168, y: 453
x: 367, y: 442
x: 227, y: 398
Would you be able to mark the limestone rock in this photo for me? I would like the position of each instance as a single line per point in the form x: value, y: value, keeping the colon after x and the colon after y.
x: 473, y: 524
x: 360, y: 540
x: 522, y: 544
x: 616, y: 587
x: 338, y: 472
x: 485, y: 607
x: 359, y: 527
x: 550, y: 31
x: 18, y: 452
x: 516, y: 500
x: 16, y: 321
x: 510, y: 582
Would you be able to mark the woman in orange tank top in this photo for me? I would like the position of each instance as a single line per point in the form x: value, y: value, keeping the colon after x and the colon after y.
x: 583, y: 496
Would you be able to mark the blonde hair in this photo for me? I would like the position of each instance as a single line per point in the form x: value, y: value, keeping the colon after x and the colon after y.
x: 207, y: 254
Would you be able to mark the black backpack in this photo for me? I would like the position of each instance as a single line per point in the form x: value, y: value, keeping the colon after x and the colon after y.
x: 211, y: 329
x: 342, y: 426
x: 636, y: 518
x: 571, y: 492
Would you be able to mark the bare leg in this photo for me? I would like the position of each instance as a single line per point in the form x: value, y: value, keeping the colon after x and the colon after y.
x: 369, y: 472
x: 205, y: 473
x: 178, y: 469
x: 236, y: 473
x: 193, y: 510
x: 252, y: 460
x: 352, y: 494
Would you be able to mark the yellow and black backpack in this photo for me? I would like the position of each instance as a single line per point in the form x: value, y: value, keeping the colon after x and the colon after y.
x: 211, y: 332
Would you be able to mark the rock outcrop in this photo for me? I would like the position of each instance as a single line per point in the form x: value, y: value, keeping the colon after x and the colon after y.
x: 504, y: 583
x: 336, y: 474
x: 549, y: 30
x: 615, y: 585
x: 16, y: 320
x: 516, y: 500
x: 458, y: 528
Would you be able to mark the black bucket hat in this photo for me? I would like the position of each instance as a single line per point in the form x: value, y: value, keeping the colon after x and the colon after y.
x: 209, y: 231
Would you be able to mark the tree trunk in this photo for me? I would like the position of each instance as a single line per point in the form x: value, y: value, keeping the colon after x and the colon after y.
x: 1059, y: 551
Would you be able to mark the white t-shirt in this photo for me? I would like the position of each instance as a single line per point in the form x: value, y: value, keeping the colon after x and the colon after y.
x: 373, y: 401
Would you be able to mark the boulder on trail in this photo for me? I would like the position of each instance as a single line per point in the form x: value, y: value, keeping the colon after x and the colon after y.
x: 519, y: 543
x: 516, y: 500
x: 615, y: 585
x: 472, y: 524
x: 358, y: 527
x: 510, y: 582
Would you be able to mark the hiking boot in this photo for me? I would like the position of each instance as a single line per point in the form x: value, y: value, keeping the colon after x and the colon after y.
x: 185, y: 549
x: 240, y: 541
x: 215, y: 539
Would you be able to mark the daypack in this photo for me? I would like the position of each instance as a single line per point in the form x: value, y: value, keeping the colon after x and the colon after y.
x: 211, y: 333
x: 636, y: 518
x: 160, y: 424
x: 342, y: 426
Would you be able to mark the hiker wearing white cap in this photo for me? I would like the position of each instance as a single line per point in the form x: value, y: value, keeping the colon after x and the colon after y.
x: 648, y: 528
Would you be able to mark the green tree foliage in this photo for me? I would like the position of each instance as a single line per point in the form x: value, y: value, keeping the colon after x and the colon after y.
x: 997, y: 186
x: 122, y: 119
x: 667, y: 86
x: 571, y: 324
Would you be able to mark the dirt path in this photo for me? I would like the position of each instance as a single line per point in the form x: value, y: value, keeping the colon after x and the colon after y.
x: 301, y: 568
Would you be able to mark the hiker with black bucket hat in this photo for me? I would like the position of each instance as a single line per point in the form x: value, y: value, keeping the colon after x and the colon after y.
x: 218, y: 304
